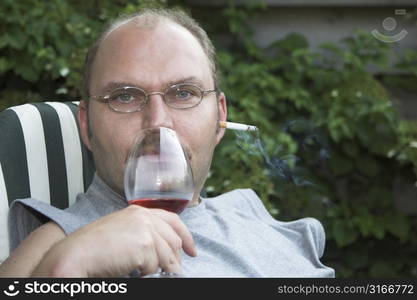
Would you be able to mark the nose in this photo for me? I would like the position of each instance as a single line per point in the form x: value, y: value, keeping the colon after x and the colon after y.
x: 157, y: 113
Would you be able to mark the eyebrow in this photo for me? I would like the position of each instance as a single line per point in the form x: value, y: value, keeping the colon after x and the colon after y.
x: 112, y: 85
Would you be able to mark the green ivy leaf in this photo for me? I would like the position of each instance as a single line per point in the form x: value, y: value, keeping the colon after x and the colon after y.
x: 398, y: 225
x: 343, y: 233
x: 367, y: 165
x: 340, y: 165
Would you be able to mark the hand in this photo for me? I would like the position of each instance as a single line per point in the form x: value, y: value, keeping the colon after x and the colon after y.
x: 129, y: 239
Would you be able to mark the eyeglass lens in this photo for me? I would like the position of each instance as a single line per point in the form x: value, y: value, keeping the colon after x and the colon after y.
x: 130, y: 99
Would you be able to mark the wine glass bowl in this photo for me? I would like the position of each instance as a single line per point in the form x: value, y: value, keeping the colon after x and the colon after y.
x: 158, y: 173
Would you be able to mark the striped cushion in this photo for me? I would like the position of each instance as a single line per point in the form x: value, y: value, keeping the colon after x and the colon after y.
x: 41, y: 156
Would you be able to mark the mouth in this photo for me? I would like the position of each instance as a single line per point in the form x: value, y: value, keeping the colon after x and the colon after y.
x: 158, y: 158
x: 151, y: 152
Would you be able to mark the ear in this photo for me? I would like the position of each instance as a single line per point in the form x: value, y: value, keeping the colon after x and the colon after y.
x: 222, y: 108
x: 84, y: 124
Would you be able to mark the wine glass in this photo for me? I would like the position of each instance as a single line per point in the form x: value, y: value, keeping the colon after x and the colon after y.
x: 158, y: 173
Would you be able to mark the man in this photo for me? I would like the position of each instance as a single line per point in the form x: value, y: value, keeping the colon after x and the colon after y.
x: 159, y: 53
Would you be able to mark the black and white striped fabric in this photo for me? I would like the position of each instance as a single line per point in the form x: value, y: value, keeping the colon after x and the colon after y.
x: 41, y: 156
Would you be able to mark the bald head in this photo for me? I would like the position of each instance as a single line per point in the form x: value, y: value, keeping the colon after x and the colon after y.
x: 149, y: 19
x: 149, y: 57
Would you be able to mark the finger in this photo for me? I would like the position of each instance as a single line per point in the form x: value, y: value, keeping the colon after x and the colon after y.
x: 168, y: 260
x: 180, y: 228
x: 169, y: 235
x: 149, y: 259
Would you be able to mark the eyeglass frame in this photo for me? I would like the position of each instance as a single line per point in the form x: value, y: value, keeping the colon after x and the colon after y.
x: 106, y: 98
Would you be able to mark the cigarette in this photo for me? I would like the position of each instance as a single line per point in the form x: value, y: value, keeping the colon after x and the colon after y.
x: 237, y: 126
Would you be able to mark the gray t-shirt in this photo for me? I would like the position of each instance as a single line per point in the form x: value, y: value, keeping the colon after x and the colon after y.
x: 234, y: 234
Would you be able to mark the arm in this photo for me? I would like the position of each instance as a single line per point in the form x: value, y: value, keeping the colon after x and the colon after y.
x: 132, y: 238
x: 26, y: 257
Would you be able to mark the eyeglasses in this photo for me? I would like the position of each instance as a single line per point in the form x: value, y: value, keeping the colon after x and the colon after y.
x: 132, y: 99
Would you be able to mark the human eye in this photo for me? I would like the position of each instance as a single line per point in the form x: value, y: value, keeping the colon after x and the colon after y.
x: 183, y: 94
x: 127, y: 95
x: 123, y: 97
x: 186, y: 92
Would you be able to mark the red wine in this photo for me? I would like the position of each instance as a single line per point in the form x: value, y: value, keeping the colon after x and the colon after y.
x: 173, y: 204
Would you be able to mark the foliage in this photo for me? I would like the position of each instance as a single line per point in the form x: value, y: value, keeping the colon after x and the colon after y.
x: 331, y: 144
x: 340, y: 110
x: 44, y: 44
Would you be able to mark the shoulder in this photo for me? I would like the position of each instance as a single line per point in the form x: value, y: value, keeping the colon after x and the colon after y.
x: 27, y: 215
x: 234, y: 195
x: 244, y: 201
x: 308, y: 232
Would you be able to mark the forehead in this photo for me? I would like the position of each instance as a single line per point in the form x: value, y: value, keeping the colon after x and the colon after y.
x: 149, y: 56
